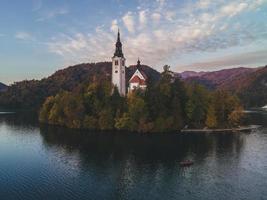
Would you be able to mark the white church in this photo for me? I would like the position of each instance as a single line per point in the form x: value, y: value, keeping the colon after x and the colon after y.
x: 137, y: 80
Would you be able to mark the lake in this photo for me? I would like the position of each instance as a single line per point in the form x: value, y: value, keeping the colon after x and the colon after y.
x: 45, y: 162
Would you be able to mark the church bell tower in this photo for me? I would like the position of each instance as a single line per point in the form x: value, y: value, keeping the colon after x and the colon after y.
x: 118, y: 68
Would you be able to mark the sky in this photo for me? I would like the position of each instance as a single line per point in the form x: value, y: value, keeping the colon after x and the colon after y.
x: 38, y: 37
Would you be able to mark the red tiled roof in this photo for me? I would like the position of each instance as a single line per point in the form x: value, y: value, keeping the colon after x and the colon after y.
x: 136, y: 79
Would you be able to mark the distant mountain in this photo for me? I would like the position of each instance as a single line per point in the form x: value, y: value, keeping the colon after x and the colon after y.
x: 3, y: 87
x: 250, y: 84
x: 252, y: 89
x: 219, y: 79
x: 189, y: 74
x: 31, y: 94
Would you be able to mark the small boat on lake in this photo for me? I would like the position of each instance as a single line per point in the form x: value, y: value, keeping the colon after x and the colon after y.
x: 186, y: 163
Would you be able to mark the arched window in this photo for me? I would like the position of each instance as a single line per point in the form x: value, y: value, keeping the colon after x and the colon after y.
x: 116, y: 62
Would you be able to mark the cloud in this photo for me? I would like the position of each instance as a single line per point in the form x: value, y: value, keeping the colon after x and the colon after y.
x: 22, y: 35
x: 156, y: 17
x: 83, y: 48
x: 233, y: 9
x: 244, y: 59
x: 203, y: 4
x: 128, y: 21
x: 142, y: 18
x: 202, y: 27
x: 114, y: 26
x: 53, y: 13
x: 161, y: 2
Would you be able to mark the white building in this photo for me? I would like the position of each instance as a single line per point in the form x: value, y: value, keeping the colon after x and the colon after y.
x: 118, y: 68
x: 137, y: 80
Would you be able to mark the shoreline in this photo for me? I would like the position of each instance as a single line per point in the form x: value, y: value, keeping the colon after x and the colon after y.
x: 226, y: 130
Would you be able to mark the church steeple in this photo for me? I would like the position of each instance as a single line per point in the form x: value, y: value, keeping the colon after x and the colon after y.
x: 138, y: 63
x: 118, y: 50
x: 118, y: 68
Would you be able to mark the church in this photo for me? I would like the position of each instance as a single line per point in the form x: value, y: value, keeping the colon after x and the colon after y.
x: 137, y: 81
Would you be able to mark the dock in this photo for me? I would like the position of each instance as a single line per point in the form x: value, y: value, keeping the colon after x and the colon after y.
x: 227, y: 130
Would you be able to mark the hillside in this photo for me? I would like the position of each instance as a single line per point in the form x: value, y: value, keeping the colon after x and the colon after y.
x: 250, y: 84
x: 32, y: 93
x: 252, y: 89
x: 220, y: 79
x: 3, y: 87
x: 189, y: 74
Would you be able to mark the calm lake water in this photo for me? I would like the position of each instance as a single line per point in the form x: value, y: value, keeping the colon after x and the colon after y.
x: 54, y: 163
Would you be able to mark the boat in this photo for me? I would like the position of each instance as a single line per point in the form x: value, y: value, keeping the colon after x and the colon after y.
x: 186, y: 163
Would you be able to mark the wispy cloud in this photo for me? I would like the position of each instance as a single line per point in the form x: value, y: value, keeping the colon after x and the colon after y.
x: 244, y: 59
x: 53, y: 13
x: 129, y: 22
x: 143, y: 18
x: 22, y: 35
x: 114, y: 26
x: 163, y: 32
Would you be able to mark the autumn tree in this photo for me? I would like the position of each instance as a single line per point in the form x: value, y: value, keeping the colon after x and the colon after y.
x: 211, y: 119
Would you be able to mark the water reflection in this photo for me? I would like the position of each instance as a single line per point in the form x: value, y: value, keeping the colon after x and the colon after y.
x: 133, y: 164
x: 138, y: 149
x: 72, y: 164
x: 19, y: 119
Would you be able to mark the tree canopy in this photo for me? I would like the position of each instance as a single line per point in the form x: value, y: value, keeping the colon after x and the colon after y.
x: 167, y: 105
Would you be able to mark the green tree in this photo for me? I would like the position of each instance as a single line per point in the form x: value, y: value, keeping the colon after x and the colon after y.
x: 197, y: 105
x: 45, y: 110
x: 211, y: 120
x: 124, y: 122
x: 106, y: 120
x: 234, y: 118
x: 227, y: 108
x: 90, y: 122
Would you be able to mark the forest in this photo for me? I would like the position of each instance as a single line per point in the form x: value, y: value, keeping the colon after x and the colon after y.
x: 165, y: 106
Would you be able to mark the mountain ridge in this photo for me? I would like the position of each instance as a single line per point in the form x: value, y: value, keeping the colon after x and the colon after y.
x: 3, y: 87
x: 250, y: 84
x: 32, y: 93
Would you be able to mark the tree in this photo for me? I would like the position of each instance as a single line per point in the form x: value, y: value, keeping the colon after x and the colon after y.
x: 235, y: 116
x: 124, y: 122
x: 90, y: 122
x: 165, y: 106
x: 197, y: 105
x: 106, y: 120
x: 45, y: 110
x: 211, y: 120
x: 227, y: 108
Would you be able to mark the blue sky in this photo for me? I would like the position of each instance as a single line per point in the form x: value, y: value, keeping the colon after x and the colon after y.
x: 38, y: 37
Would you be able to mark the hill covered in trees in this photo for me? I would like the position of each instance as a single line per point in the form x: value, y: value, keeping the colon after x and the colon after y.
x: 3, y: 87
x: 30, y: 94
x: 250, y: 84
x: 217, y: 79
x: 253, y: 88
x: 166, y: 105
